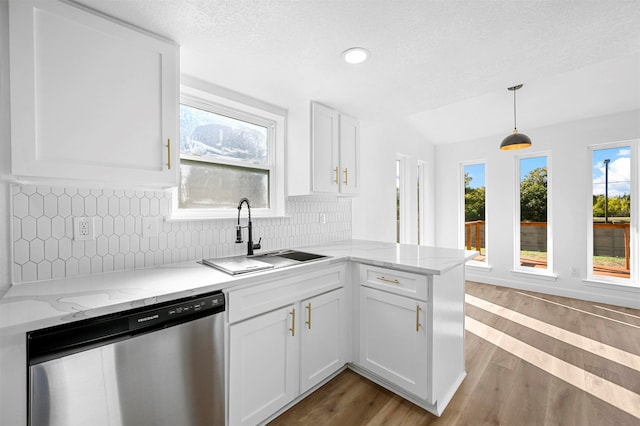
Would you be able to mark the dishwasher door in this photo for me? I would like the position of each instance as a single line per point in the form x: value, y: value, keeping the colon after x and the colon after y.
x: 172, y: 376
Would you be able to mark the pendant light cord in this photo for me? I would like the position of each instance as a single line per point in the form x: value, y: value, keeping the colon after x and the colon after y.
x: 515, y: 127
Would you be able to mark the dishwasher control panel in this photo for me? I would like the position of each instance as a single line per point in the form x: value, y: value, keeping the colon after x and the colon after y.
x: 201, y: 305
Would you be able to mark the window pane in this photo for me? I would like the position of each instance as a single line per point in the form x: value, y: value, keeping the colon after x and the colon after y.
x: 611, y: 211
x: 213, y: 135
x: 474, y: 208
x: 207, y: 185
x: 533, y: 212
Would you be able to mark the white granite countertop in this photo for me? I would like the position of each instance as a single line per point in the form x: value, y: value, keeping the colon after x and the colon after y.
x: 36, y: 305
x: 32, y: 306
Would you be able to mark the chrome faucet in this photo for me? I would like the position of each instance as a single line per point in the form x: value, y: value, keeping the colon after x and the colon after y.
x: 250, y: 245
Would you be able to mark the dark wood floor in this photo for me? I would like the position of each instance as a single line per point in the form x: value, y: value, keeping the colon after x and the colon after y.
x: 531, y: 359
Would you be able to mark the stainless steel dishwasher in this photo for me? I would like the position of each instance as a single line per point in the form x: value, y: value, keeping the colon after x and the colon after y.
x: 156, y: 365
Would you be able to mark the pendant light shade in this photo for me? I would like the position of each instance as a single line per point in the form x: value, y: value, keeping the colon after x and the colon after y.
x: 515, y: 140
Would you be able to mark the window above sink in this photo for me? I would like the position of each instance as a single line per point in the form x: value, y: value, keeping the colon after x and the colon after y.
x: 231, y: 146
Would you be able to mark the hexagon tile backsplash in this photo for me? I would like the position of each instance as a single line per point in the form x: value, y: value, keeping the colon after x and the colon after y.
x: 44, y: 248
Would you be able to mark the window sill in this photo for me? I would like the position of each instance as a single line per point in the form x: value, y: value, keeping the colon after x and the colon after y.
x: 544, y: 275
x: 182, y: 215
x: 627, y: 286
x: 190, y: 217
x: 477, y: 266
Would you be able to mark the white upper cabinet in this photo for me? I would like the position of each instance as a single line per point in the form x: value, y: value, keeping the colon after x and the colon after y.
x: 335, y: 148
x: 349, y: 154
x: 91, y: 99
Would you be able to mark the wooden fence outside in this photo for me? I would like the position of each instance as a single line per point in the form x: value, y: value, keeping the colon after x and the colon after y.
x: 609, y: 239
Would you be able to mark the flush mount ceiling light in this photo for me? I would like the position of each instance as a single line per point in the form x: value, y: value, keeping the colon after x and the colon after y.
x: 356, y: 55
x: 515, y: 140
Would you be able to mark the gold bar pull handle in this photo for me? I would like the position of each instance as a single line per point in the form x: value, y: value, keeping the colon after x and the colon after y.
x: 293, y: 321
x: 169, y: 154
x: 389, y: 280
x: 418, y: 309
x: 346, y: 176
x: 308, y: 322
x: 336, y: 180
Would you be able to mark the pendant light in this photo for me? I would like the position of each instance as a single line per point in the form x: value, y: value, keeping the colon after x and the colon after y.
x: 515, y: 140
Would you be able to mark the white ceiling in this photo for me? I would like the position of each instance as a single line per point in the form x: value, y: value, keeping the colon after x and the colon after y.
x: 442, y: 66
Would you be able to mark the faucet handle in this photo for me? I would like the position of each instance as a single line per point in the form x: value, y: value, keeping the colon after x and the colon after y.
x: 257, y: 246
x: 238, y: 234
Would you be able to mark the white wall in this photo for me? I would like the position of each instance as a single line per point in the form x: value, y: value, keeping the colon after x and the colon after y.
x: 374, y: 213
x: 5, y: 151
x: 570, y: 173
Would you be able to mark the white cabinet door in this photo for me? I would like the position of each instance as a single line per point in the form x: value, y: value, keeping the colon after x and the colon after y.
x: 393, y: 339
x: 263, y: 365
x: 91, y: 99
x: 325, y: 167
x: 323, y: 335
x: 349, y: 154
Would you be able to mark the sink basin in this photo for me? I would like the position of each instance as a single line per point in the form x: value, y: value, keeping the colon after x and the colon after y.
x: 299, y: 256
x: 278, y: 259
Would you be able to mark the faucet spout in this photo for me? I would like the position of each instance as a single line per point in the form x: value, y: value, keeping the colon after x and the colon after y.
x: 250, y: 245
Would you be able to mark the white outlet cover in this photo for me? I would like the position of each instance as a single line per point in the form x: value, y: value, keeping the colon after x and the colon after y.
x: 83, y: 228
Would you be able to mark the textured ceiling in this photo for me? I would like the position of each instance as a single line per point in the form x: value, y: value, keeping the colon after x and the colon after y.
x: 442, y: 66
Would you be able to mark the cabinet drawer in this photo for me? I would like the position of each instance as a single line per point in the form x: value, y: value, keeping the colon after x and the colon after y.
x: 392, y: 281
x: 272, y: 294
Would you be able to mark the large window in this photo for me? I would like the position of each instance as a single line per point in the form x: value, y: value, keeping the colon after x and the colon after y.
x: 228, y: 150
x: 533, y: 223
x: 612, y: 213
x: 474, y: 210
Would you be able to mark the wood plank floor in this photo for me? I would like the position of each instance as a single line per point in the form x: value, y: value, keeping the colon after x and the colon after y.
x: 531, y: 359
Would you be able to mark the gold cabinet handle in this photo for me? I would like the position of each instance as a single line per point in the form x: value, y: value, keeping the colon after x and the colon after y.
x: 418, y: 309
x: 169, y: 154
x: 336, y: 181
x: 308, y: 322
x: 389, y: 280
x: 346, y: 176
x: 293, y: 322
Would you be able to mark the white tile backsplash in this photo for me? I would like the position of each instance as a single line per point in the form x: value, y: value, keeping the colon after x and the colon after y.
x: 43, y: 245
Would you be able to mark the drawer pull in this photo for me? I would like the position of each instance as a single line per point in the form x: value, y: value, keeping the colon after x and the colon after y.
x: 308, y: 322
x: 418, y: 309
x: 389, y: 280
x: 346, y: 176
x: 336, y: 180
x: 293, y: 322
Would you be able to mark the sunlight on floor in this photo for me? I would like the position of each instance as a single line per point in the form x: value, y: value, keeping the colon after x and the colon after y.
x: 617, y: 312
x: 576, y: 309
x: 605, y: 390
x: 611, y: 353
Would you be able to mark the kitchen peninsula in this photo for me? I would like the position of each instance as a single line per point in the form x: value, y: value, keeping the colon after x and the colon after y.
x: 383, y: 284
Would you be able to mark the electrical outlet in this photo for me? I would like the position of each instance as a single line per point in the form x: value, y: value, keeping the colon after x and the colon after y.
x: 575, y: 272
x: 83, y: 229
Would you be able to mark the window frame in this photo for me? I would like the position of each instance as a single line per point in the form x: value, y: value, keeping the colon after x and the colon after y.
x: 634, y: 233
x: 483, y: 264
x: 402, y: 190
x: 549, y: 271
x: 221, y: 101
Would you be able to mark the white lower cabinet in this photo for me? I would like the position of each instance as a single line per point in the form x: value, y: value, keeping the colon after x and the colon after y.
x: 278, y: 355
x: 263, y: 365
x: 323, y: 335
x: 393, y: 339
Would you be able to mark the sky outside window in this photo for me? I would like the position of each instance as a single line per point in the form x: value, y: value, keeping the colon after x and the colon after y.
x: 619, y: 171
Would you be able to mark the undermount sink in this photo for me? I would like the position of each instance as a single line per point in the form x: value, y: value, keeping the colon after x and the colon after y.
x: 278, y: 259
x: 299, y: 256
